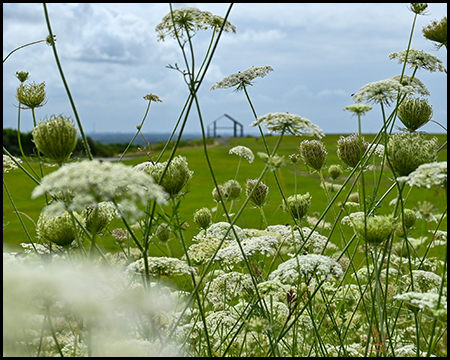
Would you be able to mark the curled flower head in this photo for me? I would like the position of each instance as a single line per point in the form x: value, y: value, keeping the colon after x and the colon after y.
x: 387, y: 91
x: 350, y: 149
x: 175, y: 178
x: 358, y: 109
x: 31, y: 95
x: 259, y: 196
x: 291, y: 123
x: 374, y: 229
x: 242, y: 79
x: 186, y: 21
x: 56, y: 138
x: 152, y: 97
x: 243, y: 151
x: 22, y: 76
x: 414, y: 113
x: 437, y: 31
x: 419, y: 59
x: 335, y: 171
x: 98, y: 217
x: 203, y: 217
x: 313, y: 153
x: 427, y: 175
x: 297, y: 205
x: 57, y: 229
x: 418, y: 8
x: 407, y: 151
x: 89, y: 182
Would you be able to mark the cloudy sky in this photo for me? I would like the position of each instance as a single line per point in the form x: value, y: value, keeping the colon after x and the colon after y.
x: 320, y: 53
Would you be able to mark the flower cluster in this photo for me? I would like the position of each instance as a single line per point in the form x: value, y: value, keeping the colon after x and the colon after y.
x: 313, y: 153
x: 226, y: 287
x: 358, y: 109
x: 297, y: 205
x: 419, y: 58
x: 374, y: 229
x: 427, y: 175
x: 186, y: 21
x: 160, y: 266
x: 243, y: 151
x: 259, y: 195
x: 31, y: 95
x: 437, y: 32
x: 9, y: 164
x: 291, y: 123
x: 350, y: 149
x: 242, y: 79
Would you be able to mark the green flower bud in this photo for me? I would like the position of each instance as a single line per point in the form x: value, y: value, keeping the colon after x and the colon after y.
x: 350, y: 149
x: 57, y: 229
x: 22, y: 76
x: 375, y: 230
x: 414, y: 113
x: 297, y: 205
x: 56, y: 138
x: 97, y: 221
x: 409, y: 219
x: 215, y: 193
x: 437, y: 32
x: 406, y: 151
x: 176, y: 177
x: 31, y: 95
x: 313, y: 153
x: 259, y: 196
x: 418, y: 8
x: 294, y: 158
x: 353, y: 197
x: 232, y: 189
x: 335, y: 171
x: 163, y: 232
x: 203, y: 217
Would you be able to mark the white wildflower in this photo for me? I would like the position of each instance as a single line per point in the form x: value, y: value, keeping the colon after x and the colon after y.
x: 427, y: 175
x: 242, y: 79
x: 160, y: 265
x: 9, y: 163
x: 351, y: 218
x: 87, y: 183
x: 201, y: 252
x: 424, y: 301
x: 291, y: 123
x: 226, y: 287
x: 419, y: 58
x: 305, y: 267
x: 425, y: 281
x: 243, y: 151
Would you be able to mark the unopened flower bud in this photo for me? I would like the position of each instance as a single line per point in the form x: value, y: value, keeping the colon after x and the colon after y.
x: 22, y: 76
x: 97, y: 220
x: 418, y: 8
x: 414, y: 113
x: 297, y: 205
x: 232, y: 189
x: 258, y: 198
x: 407, y: 151
x: 203, y: 217
x: 350, y: 149
x: 335, y: 171
x: 56, y: 138
x: 409, y: 219
x: 374, y: 229
x: 437, y: 32
x: 31, y: 95
x: 163, y: 232
x: 313, y: 153
x: 57, y: 229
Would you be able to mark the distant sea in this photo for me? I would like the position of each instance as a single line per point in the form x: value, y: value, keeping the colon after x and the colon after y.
x: 152, y: 138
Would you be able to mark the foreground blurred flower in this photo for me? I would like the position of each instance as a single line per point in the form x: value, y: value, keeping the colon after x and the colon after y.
x: 419, y: 59
x: 414, y: 113
x: 427, y: 175
x: 291, y: 123
x: 387, y: 91
x: 31, y: 95
x: 186, y: 21
x: 297, y: 205
x: 56, y: 138
x: 87, y: 183
x: 407, y: 151
x: 175, y: 178
x: 437, y: 32
x: 350, y: 149
x: 313, y: 153
x: 242, y: 79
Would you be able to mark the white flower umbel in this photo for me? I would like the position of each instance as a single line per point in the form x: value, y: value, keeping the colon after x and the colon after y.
x: 87, y: 183
x: 419, y: 58
x: 427, y: 175
x: 9, y: 163
x: 423, y: 300
x: 291, y: 123
x: 424, y: 281
x: 240, y: 80
x: 227, y: 287
x: 160, y: 265
x: 243, y: 151
x: 304, y: 268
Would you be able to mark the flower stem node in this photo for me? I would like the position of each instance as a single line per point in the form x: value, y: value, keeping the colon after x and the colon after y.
x: 56, y: 138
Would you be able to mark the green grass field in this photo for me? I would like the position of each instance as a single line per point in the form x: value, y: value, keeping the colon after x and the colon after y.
x: 201, y: 186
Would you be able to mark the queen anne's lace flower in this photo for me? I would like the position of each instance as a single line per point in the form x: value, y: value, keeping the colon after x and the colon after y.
x: 291, y: 123
x: 9, y: 164
x: 160, y: 265
x: 242, y: 79
x: 423, y: 300
x: 243, y: 151
x: 427, y: 175
x: 226, y: 287
x: 419, y: 58
x: 305, y: 267
x: 87, y: 183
